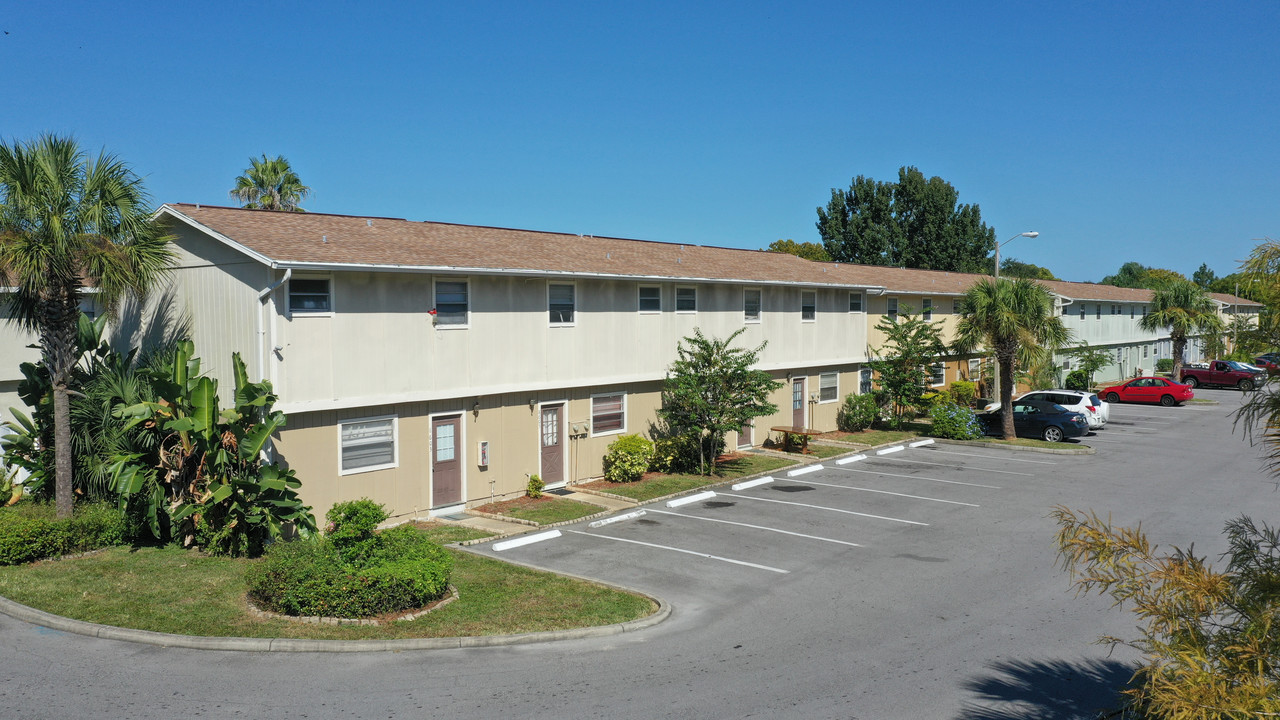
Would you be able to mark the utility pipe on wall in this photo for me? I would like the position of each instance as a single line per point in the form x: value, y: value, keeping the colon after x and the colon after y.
x: 262, y: 330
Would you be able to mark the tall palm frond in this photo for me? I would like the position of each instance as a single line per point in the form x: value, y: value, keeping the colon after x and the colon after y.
x: 1185, y: 309
x: 270, y: 184
x: 1016, y: 321
x: 68, y: 221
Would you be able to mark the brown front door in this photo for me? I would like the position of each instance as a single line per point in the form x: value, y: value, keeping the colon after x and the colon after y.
x: 551, y: 432
x: 446, y: 461
x: 744, y: 436
x: 797, y: 402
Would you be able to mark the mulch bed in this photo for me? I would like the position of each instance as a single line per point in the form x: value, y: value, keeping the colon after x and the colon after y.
x: 523, y: 502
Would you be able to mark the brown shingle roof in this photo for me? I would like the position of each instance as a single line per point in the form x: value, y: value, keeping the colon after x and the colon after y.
x: 315, y: 239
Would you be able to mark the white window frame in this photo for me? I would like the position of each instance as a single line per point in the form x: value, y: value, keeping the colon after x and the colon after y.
x: 640, y: 309
x: 891, y: 308
x: 822, y: 380
x: 466, y: 322
x: 861, y: 300
x: 288, y: 301
x: 866, y: 376
x: 395, y: 444
x: 1097, y: 312
x: 759, y: 305
x: 932, y: 367
x: 619, y: 393
x: 692, y: 288
x: 813, y: 294
x: 573, y: 312
x: 926, y: 309
x: 975, y: 369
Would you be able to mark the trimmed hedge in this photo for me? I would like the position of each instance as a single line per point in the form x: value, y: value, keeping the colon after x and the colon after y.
x: 308, y: 577
x: 627, y: 459
x: 28, y: 531
x: 957, y: 422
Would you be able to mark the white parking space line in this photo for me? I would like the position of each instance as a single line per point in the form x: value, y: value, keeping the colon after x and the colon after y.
x: 926, y: 462
x: 759, y: 527
x: 829, y: 509
x: 920, y: 477
x: 885, y: 492
x: 682, y: 550
x: 994, y: 457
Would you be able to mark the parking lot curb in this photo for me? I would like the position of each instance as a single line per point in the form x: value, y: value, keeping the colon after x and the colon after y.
x: 1086, y: 450
x: 31, y: 615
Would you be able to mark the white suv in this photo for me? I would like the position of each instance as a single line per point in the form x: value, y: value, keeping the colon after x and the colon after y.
x: 1088, y: 404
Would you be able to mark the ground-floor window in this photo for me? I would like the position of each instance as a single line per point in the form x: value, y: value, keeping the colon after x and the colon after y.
x: 367, y: 444
x: 608, y: 413
x: 938, y: 374
x: 864, y: 381
x: 829, y: 387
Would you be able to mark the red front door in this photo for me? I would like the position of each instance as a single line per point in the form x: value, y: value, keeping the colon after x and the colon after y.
x: 446, y: 461
x: 551, y: 432
x: 797, y: 402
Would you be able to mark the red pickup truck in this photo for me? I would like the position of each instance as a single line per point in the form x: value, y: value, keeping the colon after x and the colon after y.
x: 1224, y: 372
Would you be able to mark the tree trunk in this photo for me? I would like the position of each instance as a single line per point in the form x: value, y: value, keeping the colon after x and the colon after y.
x: 62, y: 450
x: 1179, y: 346
x: 1007, y: 367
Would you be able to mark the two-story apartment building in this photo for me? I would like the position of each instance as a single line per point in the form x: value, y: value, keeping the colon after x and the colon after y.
x: 431, y: 366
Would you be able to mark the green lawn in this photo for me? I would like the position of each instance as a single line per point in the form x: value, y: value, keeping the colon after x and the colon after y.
x: 179, y: 591
x: 554, y: 510
x: 880, y: 437
x: 1032, y: 442
x: 657, y: 485
x: 824, y: 451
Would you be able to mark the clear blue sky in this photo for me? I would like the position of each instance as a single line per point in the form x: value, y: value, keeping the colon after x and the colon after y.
x: 1120, y: 131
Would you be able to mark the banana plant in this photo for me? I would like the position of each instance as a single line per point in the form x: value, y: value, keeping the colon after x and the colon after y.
x: 209, y: 478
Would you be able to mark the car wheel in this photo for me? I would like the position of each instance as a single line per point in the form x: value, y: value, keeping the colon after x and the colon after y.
x: 1053, y: 433
x: 1192, y: 381
x: 1245, y: 385
x: 1168, y: 401
x: 1113, y: 397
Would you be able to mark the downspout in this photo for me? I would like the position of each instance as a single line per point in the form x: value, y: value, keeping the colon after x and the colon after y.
x: 262, y: 330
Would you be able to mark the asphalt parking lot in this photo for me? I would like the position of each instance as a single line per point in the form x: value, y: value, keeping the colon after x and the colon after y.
x: 917, y: 584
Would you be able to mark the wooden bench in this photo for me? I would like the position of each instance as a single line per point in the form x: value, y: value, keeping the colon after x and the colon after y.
x: 790, y: 432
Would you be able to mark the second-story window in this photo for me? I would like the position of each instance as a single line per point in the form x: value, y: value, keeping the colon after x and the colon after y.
x: 808, y: 305
x: 751, y: 305
x: 926, y: 309
x: 855, y: 302
x: 560, y: 299
x: 1097, y: 312
x: 451, y: 302
x: 891, y: 308
x: 686, y: 300
x: 650, y: 299
x: 1131, y: 312
x: 1081, y: 311
x: 309, y: 295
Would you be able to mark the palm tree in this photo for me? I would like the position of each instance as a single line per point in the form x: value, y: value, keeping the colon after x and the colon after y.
x: 1185, y: 309
x: 69, y: 221
x: 270, y: 184
x: 1014, y: 319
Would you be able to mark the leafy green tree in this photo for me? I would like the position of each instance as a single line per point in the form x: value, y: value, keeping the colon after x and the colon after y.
x: 902, y: 365
x: 1010, y: 267
x: 806, y: 250
x: 270, y: 184
x: 712, y: 389
x: 1137, y: 275
x: 1015, y: 320
x: 1203, y: 276
x: 68, y: 221
x: 915, y: 222
x: 1209, y: 637
x: 1185, y: 309
x: 1161, y: 277
x: 1088, y: 359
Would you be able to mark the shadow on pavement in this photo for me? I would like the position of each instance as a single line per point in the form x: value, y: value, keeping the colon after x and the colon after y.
x: 1047, y: 690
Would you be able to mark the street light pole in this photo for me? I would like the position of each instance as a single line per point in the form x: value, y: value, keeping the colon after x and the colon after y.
x: 995, y: 365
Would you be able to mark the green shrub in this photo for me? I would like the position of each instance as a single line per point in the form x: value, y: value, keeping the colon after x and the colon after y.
x: 351, y: 528
x: 534, y: 487
x: 963, y: 392
x: 404, y: 570
x: 627, y: 459
x: 678, y: 454
x: 28, y: 531
x: 1164, y: 365
x: 957, y: 422
x: 858, y: 412
x: 1077, y: 380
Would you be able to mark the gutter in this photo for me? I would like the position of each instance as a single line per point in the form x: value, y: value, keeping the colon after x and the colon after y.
x: 263, y: 297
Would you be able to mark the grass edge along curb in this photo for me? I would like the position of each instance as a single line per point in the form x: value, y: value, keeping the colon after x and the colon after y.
x: 41, y: 618
x: 1083, y: 450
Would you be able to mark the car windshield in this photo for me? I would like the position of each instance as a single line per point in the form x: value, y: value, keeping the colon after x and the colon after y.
x: 1240, y: 366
